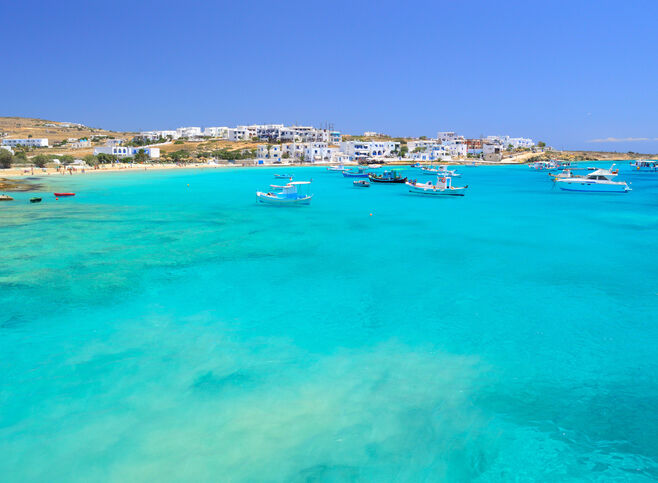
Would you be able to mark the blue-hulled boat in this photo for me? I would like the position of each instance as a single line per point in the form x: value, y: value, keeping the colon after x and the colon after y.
x: 359, y: 172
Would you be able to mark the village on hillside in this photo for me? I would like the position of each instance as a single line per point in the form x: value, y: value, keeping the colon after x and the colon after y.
x: 49, y: 143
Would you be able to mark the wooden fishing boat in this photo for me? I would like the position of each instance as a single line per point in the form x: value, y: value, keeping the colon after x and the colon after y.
x: 294, y: 193
x: 443, y: 187
x: 35, y: 200
x: 387, y: 177
x: 64, y: 194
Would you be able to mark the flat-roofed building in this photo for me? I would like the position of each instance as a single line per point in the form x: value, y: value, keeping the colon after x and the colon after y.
x: 31, y: 142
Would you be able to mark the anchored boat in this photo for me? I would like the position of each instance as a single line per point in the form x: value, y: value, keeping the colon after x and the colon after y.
x: 645, y: 165
x: 441, y: 170
x: 442, y: 187
x: 294, y: 193
x: 35, y: 200
x: 336, y: 168
x: 64, y: 194
x: 5, y: 198
x: 361, y: 183
x: 359, y: 172
x: 564, y: 174
x: 599, y: 181
x: 283, y: 176
x: 387, y: 177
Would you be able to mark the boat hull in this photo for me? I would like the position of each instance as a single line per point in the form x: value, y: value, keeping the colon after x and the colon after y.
x: 64, y: 194
x: 589, y: 187
x: 389, y: 181
x: 426, y: 191
x: 354, y: 175
x: 274, y: 200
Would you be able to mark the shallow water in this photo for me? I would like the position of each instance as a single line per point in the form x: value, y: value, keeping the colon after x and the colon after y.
x: 164, y: 326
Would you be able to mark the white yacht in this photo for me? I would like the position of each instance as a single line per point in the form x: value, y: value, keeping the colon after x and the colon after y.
x: 599, y: 181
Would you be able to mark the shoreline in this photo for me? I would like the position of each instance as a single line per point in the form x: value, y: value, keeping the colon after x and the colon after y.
x: 29, y: 172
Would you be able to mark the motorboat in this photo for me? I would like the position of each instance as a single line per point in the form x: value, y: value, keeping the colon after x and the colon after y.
x: 612, y: 170
x: 441, y: 170
x: 599, y: 181
x: 361, y: 183
x: 6, y: 198
x: 336, y: 168
x: 283, y: 176
x: 58, y: 195
x: 443, y: 187
x: 375, y: 166
x: 359, y: 172
x: 391, y: 176
x: 294, y: 193
x: 567, y: 173
x: 540, y: 165
x: 35, y: 200
x: 645, y: 165
x: 563, y: 164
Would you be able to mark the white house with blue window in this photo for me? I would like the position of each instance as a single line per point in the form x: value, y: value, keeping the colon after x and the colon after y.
x: 268, y: 153
x: 127, y: 151
x: 358, y: 149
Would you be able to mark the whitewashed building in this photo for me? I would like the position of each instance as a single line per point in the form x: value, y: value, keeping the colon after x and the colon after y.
x: 155, y: 135
x: 238, y: 134
x: 7, y: 148
x: 319, y: 152
x: 456, y: 147
x: 81, y: 143
x: 357, y: 149
x: 422, y: 145
x: 220, y: 132
x: 189, y: 132
x: 507, y: 141
x: 293, y: 150
x: 269, y: 153
x: 446, y: 136
x: 31, y: 142
x: 127, y: 151
x: 438, y: 152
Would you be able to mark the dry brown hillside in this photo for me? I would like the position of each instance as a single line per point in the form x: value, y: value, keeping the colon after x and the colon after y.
x: 55, y: 131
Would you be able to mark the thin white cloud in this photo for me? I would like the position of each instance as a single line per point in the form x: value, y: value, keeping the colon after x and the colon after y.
x: 619, y: 140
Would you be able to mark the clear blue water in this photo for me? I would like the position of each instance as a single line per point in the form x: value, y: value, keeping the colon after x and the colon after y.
x: 165, y: 327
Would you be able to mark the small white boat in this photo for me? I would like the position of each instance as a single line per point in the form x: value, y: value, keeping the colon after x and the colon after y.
x: 564, y: 174
x: 361, y: 183
x: 294, y: 193
x: 599, y: 181
x: 441, y: 170
x: 442, y: 187
x: 374, y: 166
x: 336, y: 168
x: 544, y: 165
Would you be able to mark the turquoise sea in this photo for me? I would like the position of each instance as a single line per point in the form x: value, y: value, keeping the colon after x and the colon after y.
x: 163, y: 326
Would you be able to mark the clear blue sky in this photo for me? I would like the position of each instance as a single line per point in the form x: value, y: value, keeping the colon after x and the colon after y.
x: 563, y: 72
